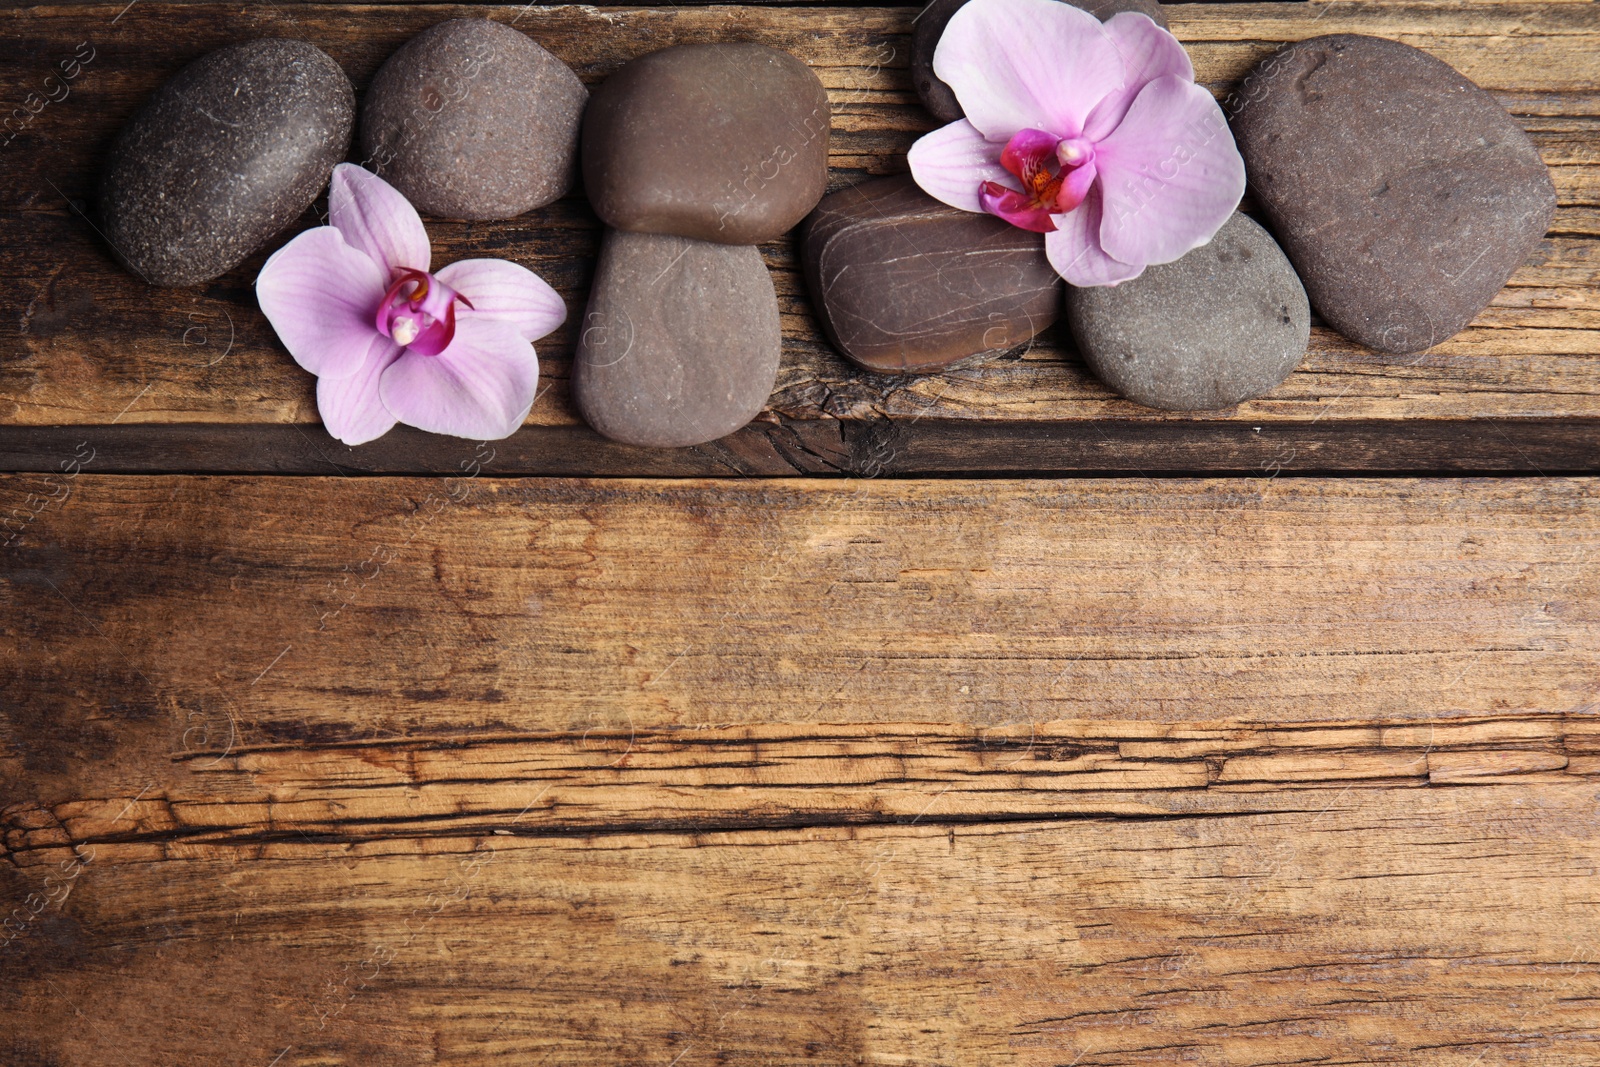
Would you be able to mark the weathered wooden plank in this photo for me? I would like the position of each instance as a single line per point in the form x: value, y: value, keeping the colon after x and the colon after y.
x: 1427, y: 925
x: 146, y: 616
x: 93, y: 346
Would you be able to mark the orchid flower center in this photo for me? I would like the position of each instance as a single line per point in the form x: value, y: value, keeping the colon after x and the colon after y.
x: 1055, y: 174
x: 419, y: 312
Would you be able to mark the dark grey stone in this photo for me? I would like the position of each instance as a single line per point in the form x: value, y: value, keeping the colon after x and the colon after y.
x: 904, y: 283
x: 472, y: 119
x: 1404, y: 194
x: 1224, y: 324
x: 225, y: 155
x: 936, y: 96
x: 722, y: 142
x: 680, y: 341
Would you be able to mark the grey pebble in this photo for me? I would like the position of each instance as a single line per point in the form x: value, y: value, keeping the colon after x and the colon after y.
x: 472, y: 119
x: 680, y: 341
x: 1224, y: 324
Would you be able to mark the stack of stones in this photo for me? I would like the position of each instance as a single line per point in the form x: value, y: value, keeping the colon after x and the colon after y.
x: 1404, y: 196
x: 692, y: 156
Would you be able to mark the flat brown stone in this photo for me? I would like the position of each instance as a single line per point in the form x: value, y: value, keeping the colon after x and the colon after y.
x: 720, y: 142
x: 1403, y: 193
x: 680, y: 341
x: 903, y: 282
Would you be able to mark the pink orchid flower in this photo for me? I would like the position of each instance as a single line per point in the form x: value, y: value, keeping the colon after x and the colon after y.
x: 1093, y: 134
x: 450, y: 352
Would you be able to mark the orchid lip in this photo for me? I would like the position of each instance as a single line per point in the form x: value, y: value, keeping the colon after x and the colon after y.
x: 1017, y: 208
x: 1054, y: 172
x: 419, y: 312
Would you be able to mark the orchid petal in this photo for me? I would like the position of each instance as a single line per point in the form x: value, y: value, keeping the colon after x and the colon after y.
x: 319, y: 294
x: 374, y: 217
x: 954, y: 161
x: 1074, y: 248
x: 481, y: 387
x: 1015, y: 64
x: 1170, y: 174
x: 1148, y: 52
x: 499, y: 289
x: 350, y: 407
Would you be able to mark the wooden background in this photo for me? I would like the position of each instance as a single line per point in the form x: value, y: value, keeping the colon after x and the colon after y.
x: 980, y: 718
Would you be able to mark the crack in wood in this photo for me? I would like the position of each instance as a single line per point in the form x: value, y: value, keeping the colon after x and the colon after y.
x: 682, y: 781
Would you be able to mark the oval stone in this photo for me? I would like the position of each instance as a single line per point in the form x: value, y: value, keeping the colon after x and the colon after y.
x: 904, y: 283
x: 680, y: 341
x: 1226, y: 323
x: 225, y: 155
x: 930, y: 23
x: 721, y: 142
x: 1404, y: 194
x: 472, y: 119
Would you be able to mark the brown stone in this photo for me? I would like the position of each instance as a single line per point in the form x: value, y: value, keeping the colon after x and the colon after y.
x: 903, y: 282
x: 472, y: 119
x: 680, y: 341
x: 721, y: 142
x: 936, y: 96
x: 1403, y: 193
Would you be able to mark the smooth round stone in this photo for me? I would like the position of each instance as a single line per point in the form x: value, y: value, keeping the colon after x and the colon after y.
x: 680, y: 342
x: 225, y: 155
x: 472, y: 119
x: 930, y: 23
x: 904, y: 283
x: 1224, y: 324
x: 1404, y: 194
x: 721, y: 142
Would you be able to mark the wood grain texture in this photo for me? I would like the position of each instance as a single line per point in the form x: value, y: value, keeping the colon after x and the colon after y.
x: 1336, y: 893
x: 92, y: 345
x: 147, y: 613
